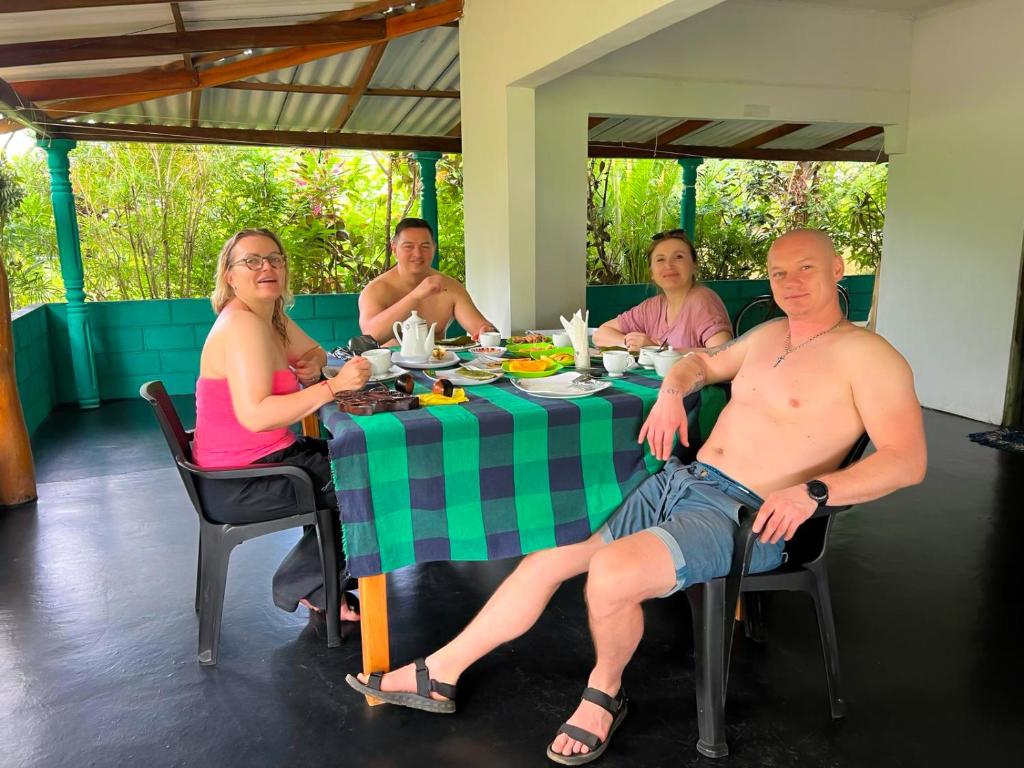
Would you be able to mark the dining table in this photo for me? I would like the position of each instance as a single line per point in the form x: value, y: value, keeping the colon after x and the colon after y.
x: 501, y: 475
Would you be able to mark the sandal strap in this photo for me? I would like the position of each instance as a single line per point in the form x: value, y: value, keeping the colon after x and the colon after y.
x: 425, y: 683
x: 592, y: 740
x: 373, y: 681
x: 609, y: 704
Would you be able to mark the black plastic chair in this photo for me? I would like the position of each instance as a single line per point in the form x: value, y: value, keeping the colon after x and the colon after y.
x: 762, y: 308
x: 713, y: 605
x: 216, y: 539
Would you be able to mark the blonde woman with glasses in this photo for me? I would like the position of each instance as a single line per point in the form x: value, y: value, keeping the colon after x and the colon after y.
x: 248, y: 395
x: 684, y: 314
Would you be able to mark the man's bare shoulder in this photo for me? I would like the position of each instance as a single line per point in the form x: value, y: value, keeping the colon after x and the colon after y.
x: 867, y: 351
x: 382, y: 287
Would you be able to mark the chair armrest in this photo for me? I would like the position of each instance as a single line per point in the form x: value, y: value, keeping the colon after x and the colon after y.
x: 828, y: 511
x: 302, y: 484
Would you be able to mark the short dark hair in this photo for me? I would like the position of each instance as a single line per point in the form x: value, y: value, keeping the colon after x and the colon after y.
x: 412, y: 223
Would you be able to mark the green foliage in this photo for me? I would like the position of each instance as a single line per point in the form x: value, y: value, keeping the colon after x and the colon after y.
x: 742, y: 206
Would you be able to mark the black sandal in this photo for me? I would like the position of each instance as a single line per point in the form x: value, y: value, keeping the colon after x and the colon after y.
x: 616, y: 707
x: 419, y: 700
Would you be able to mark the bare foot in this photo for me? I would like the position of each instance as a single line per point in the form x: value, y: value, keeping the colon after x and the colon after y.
x: 404, y: 679
x: 346, y: 613
x: 589, y: 717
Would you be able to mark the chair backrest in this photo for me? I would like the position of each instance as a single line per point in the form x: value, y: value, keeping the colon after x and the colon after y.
x: 808, y: 544
x: 762, y: 308
x: 174, y: 434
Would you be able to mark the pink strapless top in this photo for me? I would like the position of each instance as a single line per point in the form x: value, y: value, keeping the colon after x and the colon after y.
x: 220, y: 440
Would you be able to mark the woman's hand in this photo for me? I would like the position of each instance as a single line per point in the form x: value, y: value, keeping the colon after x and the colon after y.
x: 636, y: 339
x: 353, y: 375
x: 307, y: 367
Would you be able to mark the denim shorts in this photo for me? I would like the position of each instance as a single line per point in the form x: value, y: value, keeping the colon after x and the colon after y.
x: 694, y: 510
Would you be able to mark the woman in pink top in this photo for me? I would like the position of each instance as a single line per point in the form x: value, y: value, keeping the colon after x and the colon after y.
x: 685, y: 313
x: 248, y: 396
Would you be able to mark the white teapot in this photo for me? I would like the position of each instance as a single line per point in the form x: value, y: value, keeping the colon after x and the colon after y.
x: 416, y: 339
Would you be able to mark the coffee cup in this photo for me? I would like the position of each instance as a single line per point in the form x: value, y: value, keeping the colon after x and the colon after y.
x: 616, y: 362
x: 647, y: 355
x: 490, y: 339
x: 380, y: 361
x: 561, y: 339
x: 663, y: 361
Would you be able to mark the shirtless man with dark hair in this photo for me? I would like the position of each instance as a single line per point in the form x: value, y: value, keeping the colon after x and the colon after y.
x: 413, y: 284
x: 804, y: 388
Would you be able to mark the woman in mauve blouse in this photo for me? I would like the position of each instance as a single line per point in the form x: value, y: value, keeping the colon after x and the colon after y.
x: 685, y: 313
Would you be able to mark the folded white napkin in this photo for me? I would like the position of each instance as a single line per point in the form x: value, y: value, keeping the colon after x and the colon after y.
x: 577, y: 332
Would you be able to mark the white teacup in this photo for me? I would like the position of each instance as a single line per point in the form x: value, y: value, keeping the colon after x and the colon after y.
x: 663, y: 361
x: 380, y: 361
x: 616, y: 362
x: 561, y: 339
x: 490, y: 339
x: 647, y: 355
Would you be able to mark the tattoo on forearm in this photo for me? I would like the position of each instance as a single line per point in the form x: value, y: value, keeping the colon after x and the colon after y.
x: 699, y: 380
x: 721, y: 347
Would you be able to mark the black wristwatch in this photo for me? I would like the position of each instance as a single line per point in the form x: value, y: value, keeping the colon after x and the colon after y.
x: 818, y: 491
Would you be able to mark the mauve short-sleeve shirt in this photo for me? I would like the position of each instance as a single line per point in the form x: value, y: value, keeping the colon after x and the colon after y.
x: 702, y: 316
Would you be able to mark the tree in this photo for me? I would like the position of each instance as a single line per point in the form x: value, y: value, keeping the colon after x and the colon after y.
x: 17, y: 474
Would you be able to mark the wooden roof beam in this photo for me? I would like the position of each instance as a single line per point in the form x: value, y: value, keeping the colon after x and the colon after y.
x: 770, y: 135
x: 853, y: 138
x: 168, y: 134
x: 19, y: 112
x: 412, y: 22
x: 362, y: 82
x: 593, y: 121
x: 675, y: 151
x: 455, y: 131
x: 678, y: 131
x: 340, y: 90
x: 169, y: 43
x: 22, y: 6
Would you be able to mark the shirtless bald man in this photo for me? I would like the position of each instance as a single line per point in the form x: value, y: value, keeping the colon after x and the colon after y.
x: 413, y: 284
x: 805, y: 387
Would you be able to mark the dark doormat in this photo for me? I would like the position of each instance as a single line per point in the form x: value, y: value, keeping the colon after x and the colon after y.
x: 1005, y: 438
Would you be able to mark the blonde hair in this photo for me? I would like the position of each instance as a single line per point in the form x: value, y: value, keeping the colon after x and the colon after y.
x: 223, y: 293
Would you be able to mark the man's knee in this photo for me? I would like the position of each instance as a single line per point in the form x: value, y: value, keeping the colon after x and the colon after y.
x: 624, y: 573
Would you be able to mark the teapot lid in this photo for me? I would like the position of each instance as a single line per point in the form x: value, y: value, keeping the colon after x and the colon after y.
x: 414, y: 319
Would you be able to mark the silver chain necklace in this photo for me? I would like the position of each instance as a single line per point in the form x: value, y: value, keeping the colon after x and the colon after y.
x: 787, y: 348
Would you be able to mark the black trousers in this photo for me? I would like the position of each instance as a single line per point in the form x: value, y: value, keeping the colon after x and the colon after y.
x: 300, y: 574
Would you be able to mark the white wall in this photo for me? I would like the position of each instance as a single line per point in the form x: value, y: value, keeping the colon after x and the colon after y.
x: 951, y: 261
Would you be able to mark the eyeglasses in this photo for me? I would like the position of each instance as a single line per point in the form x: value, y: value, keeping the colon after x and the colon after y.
x: 255, y: 263
x: 669, y: 233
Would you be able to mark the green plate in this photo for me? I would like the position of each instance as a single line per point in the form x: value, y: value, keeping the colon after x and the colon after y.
x: 552, y: 368
x: 525, y: 349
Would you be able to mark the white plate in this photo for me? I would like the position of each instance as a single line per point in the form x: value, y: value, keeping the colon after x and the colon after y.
x: 559, y: 387
x: 494, y: 353
x: 459, y: 380
x: 449, y: 359
x: 461, y: 348
x: 492, y: 364
x: 393, y: 373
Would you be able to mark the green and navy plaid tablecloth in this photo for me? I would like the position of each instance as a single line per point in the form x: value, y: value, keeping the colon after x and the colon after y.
x: 502, y: 475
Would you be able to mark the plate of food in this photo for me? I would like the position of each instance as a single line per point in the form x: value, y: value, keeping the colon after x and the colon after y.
x: 438, y: 358
x: 465, y: 376
x: 528, y: 338
x: 491, y: 352
x: 526, y: 348
x: 561, y: 355
x: 530, y: 369
x: 456, y: 343
x: 486, y: 364
x: 393, y: 373
x: 564, y: 386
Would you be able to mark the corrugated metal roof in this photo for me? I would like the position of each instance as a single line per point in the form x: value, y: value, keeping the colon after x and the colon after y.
x: 427, y: 60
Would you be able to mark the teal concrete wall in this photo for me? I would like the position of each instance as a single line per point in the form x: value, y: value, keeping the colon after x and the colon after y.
x: 607, y: 301
x: 135, y: 341
x: 32, y: 366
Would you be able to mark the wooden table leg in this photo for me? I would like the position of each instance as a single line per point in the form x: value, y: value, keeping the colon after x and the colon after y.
x: 373, y: 607
x: 311, y: 425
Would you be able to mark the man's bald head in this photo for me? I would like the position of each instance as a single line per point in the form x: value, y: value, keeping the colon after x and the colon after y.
x: 806, y: 242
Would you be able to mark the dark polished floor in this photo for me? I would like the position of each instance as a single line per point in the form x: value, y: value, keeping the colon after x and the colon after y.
x: 97, y: 637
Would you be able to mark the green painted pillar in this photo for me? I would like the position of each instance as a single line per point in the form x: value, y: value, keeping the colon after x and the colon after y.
x: 688, y: 201
x: 428, y: 192
x: 71, y: 270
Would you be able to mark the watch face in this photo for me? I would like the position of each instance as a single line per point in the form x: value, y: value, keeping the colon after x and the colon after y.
x: 817, y: 490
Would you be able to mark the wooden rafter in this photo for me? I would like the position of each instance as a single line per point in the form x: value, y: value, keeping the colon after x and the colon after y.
x: 340, y: 90
x: 169, y: 43
x: 455, y: 131
x: 593, y: 122
x: 195, y: 100
x: 166, y: 134
x: 362, y: 82
x: 19, y: 111
x: 179, y: 25
x: 169, y: 84
x: 170, y: 76
x: 770, y: 135
x: 675, y: 151
x: 853, y: 138
x: 21, y: 6
x: 678, y: 131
